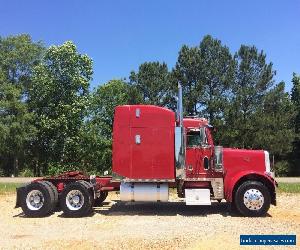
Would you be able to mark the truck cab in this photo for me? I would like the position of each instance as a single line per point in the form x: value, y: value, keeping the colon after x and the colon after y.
x: 240, y: 176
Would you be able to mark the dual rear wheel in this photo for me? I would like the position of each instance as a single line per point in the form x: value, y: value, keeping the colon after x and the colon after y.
x: 77, y: 199
x: 39, y: 199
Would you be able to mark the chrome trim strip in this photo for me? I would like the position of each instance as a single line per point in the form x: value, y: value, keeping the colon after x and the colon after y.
x: 117, y: 178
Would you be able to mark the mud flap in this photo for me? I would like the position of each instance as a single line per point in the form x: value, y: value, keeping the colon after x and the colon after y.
x: 20, y: 193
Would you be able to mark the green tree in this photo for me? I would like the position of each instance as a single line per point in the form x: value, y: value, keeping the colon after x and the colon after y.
x: 153, y: 83
x: 253, y: 80
x: 296, y: 144
x: 58, y: 97
x: 16, y: 126
x: 205, y: 72
x: 187, y: 73
x: 272, y: 127
x: 18, y: 55
x: 97, y: 133
x: 216, y: 76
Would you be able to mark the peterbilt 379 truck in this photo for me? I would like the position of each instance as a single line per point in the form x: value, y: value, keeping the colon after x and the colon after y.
x: 154, y: 150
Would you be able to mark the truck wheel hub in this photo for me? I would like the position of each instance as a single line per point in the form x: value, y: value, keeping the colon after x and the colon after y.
x: 74, y: 200
x: 34, y: 200
x: 253, y: 199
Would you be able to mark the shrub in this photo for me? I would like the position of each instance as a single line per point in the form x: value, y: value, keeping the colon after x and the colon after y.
x: 2, y: 174
x: 57, y: 168
x: 282, y: 168
x: 27, y: 172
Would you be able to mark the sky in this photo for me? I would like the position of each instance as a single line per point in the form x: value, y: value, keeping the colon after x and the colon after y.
x: 120, y: 35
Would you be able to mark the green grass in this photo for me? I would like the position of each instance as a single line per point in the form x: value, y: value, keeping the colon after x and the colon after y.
x: 289, y: 187
x: 8, y: 188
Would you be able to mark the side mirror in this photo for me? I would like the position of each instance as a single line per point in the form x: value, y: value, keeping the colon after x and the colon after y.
x: 218, y: 158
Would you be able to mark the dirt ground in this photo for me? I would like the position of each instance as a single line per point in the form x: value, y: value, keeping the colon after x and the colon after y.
x: 171, y: 225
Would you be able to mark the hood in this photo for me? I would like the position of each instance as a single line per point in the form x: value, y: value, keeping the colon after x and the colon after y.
x: 244, y: 159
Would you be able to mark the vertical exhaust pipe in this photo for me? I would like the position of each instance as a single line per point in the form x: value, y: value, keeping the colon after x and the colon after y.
x: 179, y: 138
x: 179, y: 106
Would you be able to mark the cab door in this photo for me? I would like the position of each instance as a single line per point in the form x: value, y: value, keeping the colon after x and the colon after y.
x: 198, y: 154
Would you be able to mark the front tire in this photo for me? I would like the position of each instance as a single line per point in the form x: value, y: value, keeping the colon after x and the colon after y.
x: 76, y: 200
x: 252, y: 199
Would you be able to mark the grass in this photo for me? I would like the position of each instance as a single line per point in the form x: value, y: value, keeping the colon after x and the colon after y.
x: 289, y: 187
x: 8, y: 188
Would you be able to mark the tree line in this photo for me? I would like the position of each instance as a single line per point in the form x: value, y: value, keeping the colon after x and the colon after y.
x: 52, y: 121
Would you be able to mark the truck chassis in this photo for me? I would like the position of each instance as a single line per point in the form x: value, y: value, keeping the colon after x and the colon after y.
x: 76, y: 194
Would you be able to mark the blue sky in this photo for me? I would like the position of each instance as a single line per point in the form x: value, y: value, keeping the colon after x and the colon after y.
x: 120, y: 35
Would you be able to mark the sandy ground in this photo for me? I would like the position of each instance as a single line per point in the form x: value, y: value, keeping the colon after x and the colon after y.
x: 171, y: 225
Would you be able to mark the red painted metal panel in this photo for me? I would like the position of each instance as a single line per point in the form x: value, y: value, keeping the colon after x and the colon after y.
x: 195, y: 155
x: 152, y: 155
x: 194, y: 122
x: 239, y: 162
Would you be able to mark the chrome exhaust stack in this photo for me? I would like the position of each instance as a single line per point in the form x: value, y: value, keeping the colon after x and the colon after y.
x: 179, y: 137
x: 179, y: 106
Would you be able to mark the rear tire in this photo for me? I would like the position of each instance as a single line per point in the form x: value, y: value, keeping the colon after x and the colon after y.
x: 76, y: 199
x: 37, y: 200
x: 55, y: 193
x: 252, y: 199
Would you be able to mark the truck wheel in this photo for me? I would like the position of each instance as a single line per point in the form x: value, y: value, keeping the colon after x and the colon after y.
x: 252, y: 198
x: 100, y: 199
x: 55, y: 193
x: 76, y: 200
x: 90, y: 188
x: 37, y: 200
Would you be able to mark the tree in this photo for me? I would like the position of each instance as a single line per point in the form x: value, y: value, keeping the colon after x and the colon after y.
x: 216, y: 76
x: 205, y: 73
x: 18, y: 55
x: 97, y: 133
x: 187, y: 73
x: 153, y: 83
x: 273, y: 130
x: 253, y: 80
x: 296, y: 101
x: 16, y: 126
x: 58, y: 97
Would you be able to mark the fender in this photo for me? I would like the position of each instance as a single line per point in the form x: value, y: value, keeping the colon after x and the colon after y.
x: 231, y: 182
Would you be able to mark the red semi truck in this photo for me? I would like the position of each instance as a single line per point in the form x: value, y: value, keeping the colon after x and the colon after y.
x: 154, y: 150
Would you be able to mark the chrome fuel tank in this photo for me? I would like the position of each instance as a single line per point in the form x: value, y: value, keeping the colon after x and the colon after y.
x: 144, y: 192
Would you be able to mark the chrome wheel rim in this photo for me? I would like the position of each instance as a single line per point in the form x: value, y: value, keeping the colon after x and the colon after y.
x: 74, y: 200
x: 253, y: 199
x: 35, y: 200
